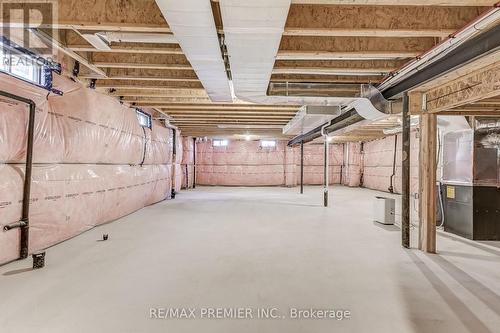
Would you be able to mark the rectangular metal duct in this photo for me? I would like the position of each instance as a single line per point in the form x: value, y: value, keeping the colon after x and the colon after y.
x: 192, y: 24
x: 310, y: 117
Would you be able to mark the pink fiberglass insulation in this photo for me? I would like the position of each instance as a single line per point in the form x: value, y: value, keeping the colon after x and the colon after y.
x: 187, y: 165
x: 82, y: 126
x: 187, y: 150
x: 314, y: 156
x: 246, y: 163
x: 351, y: 172
x: 177, y: 177
x: 242, y: 163
x: 176, y: 168
x: 378, y: 163
x: 179, y: 150
x: 71, y: 198
x: 93, y: 162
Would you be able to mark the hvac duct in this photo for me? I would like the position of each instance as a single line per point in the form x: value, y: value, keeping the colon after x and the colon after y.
x: 253, y: 31
x: 192, y: 24
x: 462, y: 47
x: 470, y: 43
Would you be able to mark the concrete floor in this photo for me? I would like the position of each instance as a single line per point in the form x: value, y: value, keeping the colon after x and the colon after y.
x: 257, y: 247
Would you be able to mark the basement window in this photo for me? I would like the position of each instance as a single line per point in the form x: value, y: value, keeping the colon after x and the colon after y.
x: 219, y: 143
x: 25, y: 65
x: 268, y: 143
x: 144, y: 118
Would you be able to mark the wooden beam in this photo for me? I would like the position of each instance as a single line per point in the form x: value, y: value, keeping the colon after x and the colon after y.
x: 427, y: 182
x: 160, y: 93
x: 211, y: 106
x: 232, y: 121
x: 138, y: 84
x: 356, y: 44
x: 470, y: 113
x: 174, y: 113
x: 64, y: 49
x: 377, y: 21
x: 383, y: 65
x: 339, y: 32
x: 109, y: 15
x: 459, y: 72
x: 127, y: 48
x: 140, y: 58
x: 472, y: 3
x: 168, y: 100
x: 332, y: 71
x: 145, y: 74
x: 345, y: 55
x: 415, y: 102
x: 229, y: 116
x: 325, y: 78
x: 480, y: 84
x: 142, y: 66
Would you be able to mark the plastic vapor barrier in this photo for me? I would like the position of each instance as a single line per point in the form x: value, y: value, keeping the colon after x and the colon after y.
x: 351, y: 171
x: 177, y: 169
x: 92, y: 162
x: 378, y: 159
x: 314, y: 160
x: 243, y: 163
x: 187, y: 162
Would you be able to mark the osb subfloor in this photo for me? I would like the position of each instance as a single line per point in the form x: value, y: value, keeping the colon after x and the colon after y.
x: 256, y: 248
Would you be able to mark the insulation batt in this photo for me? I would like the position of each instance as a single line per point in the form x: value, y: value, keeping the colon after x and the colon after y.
x: 378, y: 159
x: 187, y: 162
x: 241, y: 163
x: 93, y: 162
x: 82, y: 126
x: 314, y: 163
x: 245, y: 163
x: 177, y: 169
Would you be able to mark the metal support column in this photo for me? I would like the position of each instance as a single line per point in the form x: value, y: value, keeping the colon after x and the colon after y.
x: 325, y: 192
x: 405, y: 198
x: 301, y: 167
x: 194, y: 162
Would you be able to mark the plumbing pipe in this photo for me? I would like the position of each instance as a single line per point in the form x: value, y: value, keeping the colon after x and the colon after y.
x: 391, y: 185
x: 326, y: 178
x: 23, y: 224
x: 174, y: 141
x: 302, y: 167
x: 405, y: 175
x: 194, y: 162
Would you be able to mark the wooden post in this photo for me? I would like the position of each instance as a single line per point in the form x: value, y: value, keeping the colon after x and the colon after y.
x: 427, y: 182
